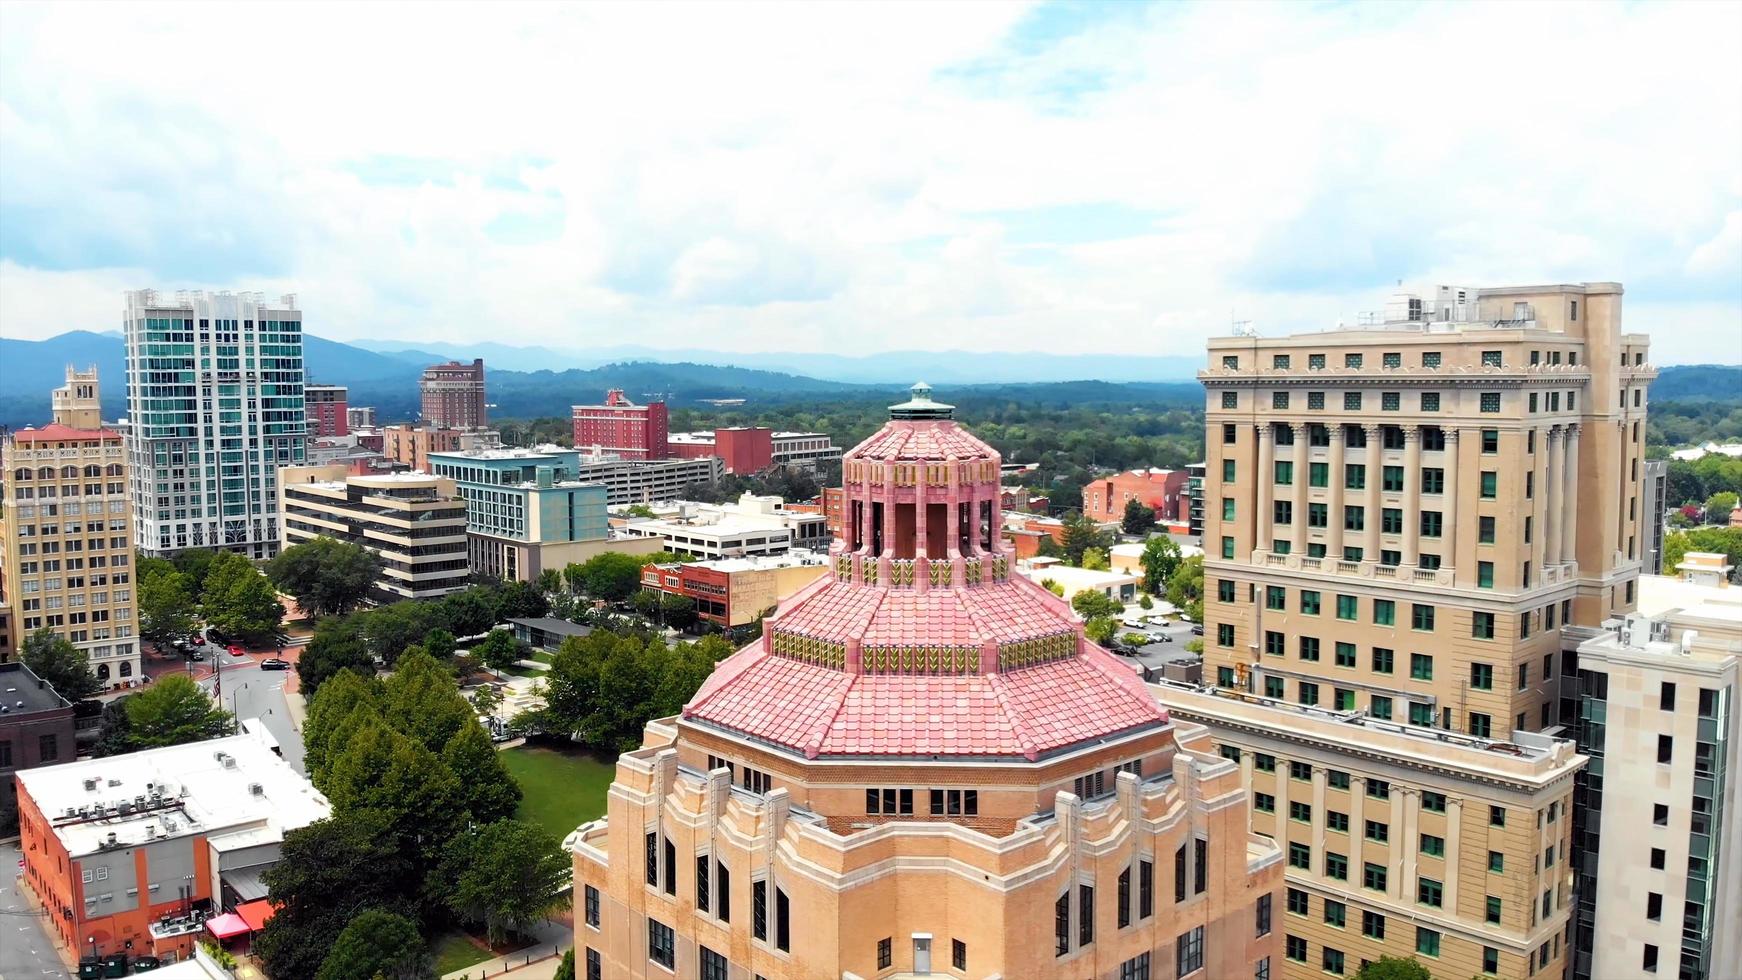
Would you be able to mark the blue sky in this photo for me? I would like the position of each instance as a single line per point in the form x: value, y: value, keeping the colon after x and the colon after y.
x: 1101, y: 177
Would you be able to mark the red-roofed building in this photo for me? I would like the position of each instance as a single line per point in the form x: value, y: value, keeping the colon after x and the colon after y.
x: 923, y: 755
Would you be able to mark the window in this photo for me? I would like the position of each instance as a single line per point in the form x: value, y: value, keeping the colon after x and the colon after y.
x: 1336, y: 779
x: 1496, y: 816
x: 1230, y: 399
x: 1657, y: 856
x: 1309, y: 648
x: 1421, y: 713
x: 1275, y: 597
x: 670, y: 868
x: 885, y: 953
x: 1309, y: 602
x: 1433, y: 846
x: 1123, y: 898
x: 1384, y: 612
x: 1336, y: 866
x: 1227, y: 508
x: 1146, y: 887
x: 1351, y: 360
x: 1263, y: 802
x: 1390, y: 401
x: 1298, y: 902
x: 1653, y: 906
x: 1379, y: 706
x: 1230, y: 361
x: 1373, y: 876
x: 1354, y: 476
x: 1085, y: 914
x: 1482, y: 623
x: 1262, y: 914
x: 1422, y: 617
x: 1302, y: 812
x: 723, y: 892
x: 661, y: 944
x: 1190, y: 952
x: 1490, y: 960
x: 759, y: 910
x: 1309, y: 692
x: 1351, y: 401
x: 1421, y: 666
x: 1333, y: 961
x: 1378, y: 789
x: 1227, y: 547
x: 592, y: 906
x: 966, y: 802
x: 1666, y: 697
x: 1665, y: 748
x: 1433, y: 479
x: 1482, y: 677
x: 1275, y: 644
x: 1490, y: 402
x: 1490, y: 485
x: 652, y: 859
x: 1316, y: 401
x: 1279, y: 362
x: 1337, y: 821
x: 1648, y: 962
x: 1300, y: 856
x: 958, y: 954
x: 1496, y: 863
x: 782, y: 921
x: 1433, y: 802
x: 1284, y: 473
x: 1354, y: 519
x: 1318, y: 515
x: 1427, y: 941
x: 1481, y: 725
x: 1227, y: 471
x: 1200, y: 865
x: 1295, y: 948
x: 1225, y: 634
x: 1492, y: 913
x: 1345, y: 654
x: 1319, y: 474
x: 1660, y: 814
x: 1135, y: 968
x: 595, y: 965
x: 713, y: 964
x: 1061, y: 924
x: 1263, y: 762
x: 1225, y: 590
x: 1279, y: 399
x: 889, y: 802
x: 702, y: 890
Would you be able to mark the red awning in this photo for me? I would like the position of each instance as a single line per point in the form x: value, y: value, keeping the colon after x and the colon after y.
x: 255, y: 914
x: 227, y: 925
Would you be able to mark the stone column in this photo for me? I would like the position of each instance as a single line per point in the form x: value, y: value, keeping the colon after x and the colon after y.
x: 1449, y: 530
x: 1570, y: 498
x: 1454, y: 845
x: 1262, y: 525
x: 1411, y: 494
x: 1375, y: 474
x: 921, y: 560
x: 1402, y: 849
x: 952, y: 512
x: 1318, y: 825
x: 1334, y: 505
x: 1302, y: 467
x: 1550, y: 488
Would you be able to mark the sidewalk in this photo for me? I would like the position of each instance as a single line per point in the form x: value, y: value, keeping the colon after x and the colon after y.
x: 536, y: 962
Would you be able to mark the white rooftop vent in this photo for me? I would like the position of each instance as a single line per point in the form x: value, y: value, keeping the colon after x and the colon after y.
x: 256, y: 789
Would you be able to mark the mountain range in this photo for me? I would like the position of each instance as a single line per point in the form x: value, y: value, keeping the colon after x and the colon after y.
x: 387, y: 377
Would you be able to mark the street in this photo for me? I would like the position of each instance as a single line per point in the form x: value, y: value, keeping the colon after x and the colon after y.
x: 25, y: 947
x: 250, y: 692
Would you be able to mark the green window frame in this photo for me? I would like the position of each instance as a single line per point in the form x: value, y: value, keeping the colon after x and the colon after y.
x: 1343, y: 699
x: 1318, y: 515
x: 1373, y: 876
x: 1427, y: 941
x: 1336, y: 913
x: 1300, y: 856
x: 1391, y: 520
x: 1484, y: 575
x: 1391, y: 479
x: 1263, y: 802
x: 1309, y: 602
x: 1337, y: 821
x: 1227, y: 508
x: 1227, y: 547
x: 1274, y: 688
x: 1421, y: 666
x: 1429, y: 892
x: 1300, y: 812
x: 1490, y: 485
x: 1284, y: 473
x: 1279, y: 399
x: 1379, y: 706
x: 1309, y: 693
x: 1354, y: 476
x: 1433, y: 479
x: 1309, y: 649
x: 1351, y: 401
x: 1432, y: 802
x: 1318, y: 474
x: 1275, y: 643
x: 1390, y: 401
x: 1482, y: 677
x: 1491, y: 909
x: 1345, y: 654
x: 1384, y: 660
x: 1227, y: 471
x: 1348, y: 607
x: 1496, y: 862
x: 1484, y: 529
x: 1263, y: 762
x: 1336, y: 779
x: 1482, y: 625
x: 1384, y: 612
x: 1433, y: 846
x: 1430, y: 401
x: 1224, y: 634
x: 1421, y: 713
x: 1225, y: 590
x: 1421, y: 617
x: 1275, y: 597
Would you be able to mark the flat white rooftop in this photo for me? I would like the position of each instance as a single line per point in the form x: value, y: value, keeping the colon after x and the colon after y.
x: 222, y: 786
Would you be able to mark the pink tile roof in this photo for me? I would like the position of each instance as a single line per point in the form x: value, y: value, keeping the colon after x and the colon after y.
x: 1011, y: 610
x: 1020, y: 714
x: 930, y: 439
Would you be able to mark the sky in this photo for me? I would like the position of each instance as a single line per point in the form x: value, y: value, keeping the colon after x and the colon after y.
x: 863, y: 177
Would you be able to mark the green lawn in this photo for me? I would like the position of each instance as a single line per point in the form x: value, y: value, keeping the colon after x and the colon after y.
x: 562, y: 789
x: 543, y: 657
x: 456, y: 951
x: 520, y: 671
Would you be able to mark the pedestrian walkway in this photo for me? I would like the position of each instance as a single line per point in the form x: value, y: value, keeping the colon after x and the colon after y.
x: 536, y: 962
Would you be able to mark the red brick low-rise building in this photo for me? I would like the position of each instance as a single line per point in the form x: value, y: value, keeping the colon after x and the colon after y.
x: 36, y: 729
x: 1105, y: 498
x: 735, y: 591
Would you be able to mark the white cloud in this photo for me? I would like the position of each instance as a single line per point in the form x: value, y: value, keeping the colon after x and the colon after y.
x: 838, y: 176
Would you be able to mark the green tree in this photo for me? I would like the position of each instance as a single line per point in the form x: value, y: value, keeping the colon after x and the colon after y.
x: 173, y: 711
x: 1726, y: 541
x: 1718, y: 507
x: 1100, y: 629
x: 645, y: 602
x: 342, y: 694
x: 328, y: 577
x: 491, y: 792
x: 113, y: 734
x: 195, y: 563
x: 330, y: 871
x: 1138, y: 518
x: 338, y: 644
x: 506, y: 875
x: 612, y: 576
x: 1081, y: 534
x: 639, y: 510
x: 1095, y: 560
x: 421, y: 700
x: 380, y: 769
x: 468, y: 613
x: 566, y: 969
x: 1185, y: 587
x: 1393, y: 968
x: 392, y: 628
x: 486, y: 698
x: 439, y: 643
x: 1090, y: 603
x: 377, y: 944
x: 1160, y: 557
x: 521, y: 600
x: 166, y: 605
x: 239, y: 600
x: 501, y: 649
x: 678, y: 611
x: 1053, y: 586
x: 65, y: 667
x: 550, y: 580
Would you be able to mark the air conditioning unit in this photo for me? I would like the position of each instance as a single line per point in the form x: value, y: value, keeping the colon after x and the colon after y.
x: 256, y: 789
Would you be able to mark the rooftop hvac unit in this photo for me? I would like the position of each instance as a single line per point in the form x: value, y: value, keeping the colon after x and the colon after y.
x: 90, y: 785
x: 256, y: 789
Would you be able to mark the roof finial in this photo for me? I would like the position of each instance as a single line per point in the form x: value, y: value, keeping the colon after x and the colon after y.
x: 920, y: 405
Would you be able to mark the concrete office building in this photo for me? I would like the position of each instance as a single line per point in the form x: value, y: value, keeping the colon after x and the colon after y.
x: 131, y: 854
x: 328, y: 415
x: 411, y: 445
x: 1400, y: 518
x: 215, y: 406
x: 1195, y: 500
x: 526, y: 512
x: 919, y: 766
x: 414, y: 522
x: 1654, y: 506
x: 1657, y: 811
x: 66, y: 548
x: 452, y: 396
x: 360, y: 416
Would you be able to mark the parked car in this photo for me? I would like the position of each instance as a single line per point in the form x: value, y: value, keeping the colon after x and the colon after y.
x: 1197, y: 629
x: 197, y: 656
x: 274, y: 663
x: 1133, y: 622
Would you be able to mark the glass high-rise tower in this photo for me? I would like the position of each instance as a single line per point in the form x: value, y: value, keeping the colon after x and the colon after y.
x: 215, y: 406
